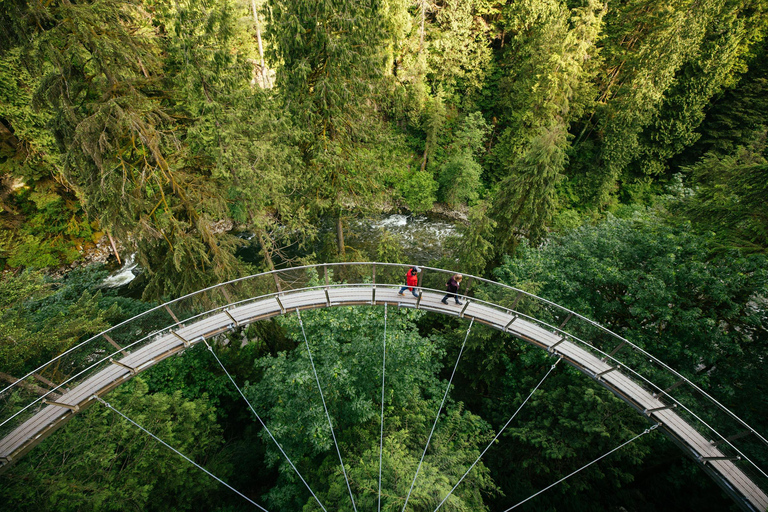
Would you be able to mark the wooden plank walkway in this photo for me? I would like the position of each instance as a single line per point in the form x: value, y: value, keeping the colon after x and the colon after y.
x: 52, y: 417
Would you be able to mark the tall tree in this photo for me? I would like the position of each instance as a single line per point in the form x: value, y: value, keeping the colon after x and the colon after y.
x: 162, y: 138
x: 730, y: 198
x: 235, y: 133
x: 646, y: 49
x: 331, y: 60
x: 557, y: 46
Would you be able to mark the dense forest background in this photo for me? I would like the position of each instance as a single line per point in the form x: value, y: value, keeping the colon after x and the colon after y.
x: 608, y: 156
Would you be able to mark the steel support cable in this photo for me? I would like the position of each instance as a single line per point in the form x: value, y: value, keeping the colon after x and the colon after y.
x: 622, y: 445
x: 177, y: 452
x: 327, y: 415
x: 263, y: 424
x: 437, y: 416
x: 383, y: 367
x: 551, y: 368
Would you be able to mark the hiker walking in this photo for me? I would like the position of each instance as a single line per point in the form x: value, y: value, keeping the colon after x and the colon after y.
x: 453, y: 287
x: 411, y: 281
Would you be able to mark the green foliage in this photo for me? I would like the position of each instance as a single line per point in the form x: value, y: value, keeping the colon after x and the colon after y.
x: 418, y: 189
x: 737, y: 115
x: 459, y: 52
x: 143, y: 119
x: 28, y: 148
x: 553, y: 48
x: 701, y: 47
x: 41, y: 318
x: 474, y: 248
x: 389, y: 249
x: 459, y: 176
x: 347, y: 351
x: 526, y: 199
x: 551, y: 88
x: 661, y: 288
x: 730, y: 198
x: 99, y: 461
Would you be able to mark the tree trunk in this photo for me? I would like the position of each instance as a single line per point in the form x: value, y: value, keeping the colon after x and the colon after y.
x: 265, y: 251
x: 339, y: 236
x: 264, y: 74
x: 421, y: 30
x: 114, y: 248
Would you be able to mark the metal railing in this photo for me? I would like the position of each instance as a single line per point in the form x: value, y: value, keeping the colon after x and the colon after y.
x: 733, y: 436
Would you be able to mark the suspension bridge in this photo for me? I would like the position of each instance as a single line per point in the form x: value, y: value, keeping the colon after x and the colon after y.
x: 713, y: 436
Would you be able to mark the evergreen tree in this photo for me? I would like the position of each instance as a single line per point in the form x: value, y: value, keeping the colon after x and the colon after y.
x: 331, y: 56
x: 647, y: 49
x: 730, y: 198
x: 537, y: 143
x: 526, y: 200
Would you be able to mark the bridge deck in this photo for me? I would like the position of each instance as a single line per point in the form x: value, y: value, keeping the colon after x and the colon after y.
x: 51, y: 417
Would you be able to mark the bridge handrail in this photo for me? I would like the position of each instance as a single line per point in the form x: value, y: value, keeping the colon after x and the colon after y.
x: 404, y: 266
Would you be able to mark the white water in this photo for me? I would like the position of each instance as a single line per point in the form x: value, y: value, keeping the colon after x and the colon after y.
x: 123, y: 276
x: 392, y: 221
x: 422, y: 238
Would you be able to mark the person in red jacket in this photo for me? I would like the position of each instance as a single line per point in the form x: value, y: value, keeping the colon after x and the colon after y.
x: 412, y: 281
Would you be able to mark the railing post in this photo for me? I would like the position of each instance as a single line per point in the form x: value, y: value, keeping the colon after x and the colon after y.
x: 518, y: 297
x: 74, y: 408
x: 551, y: 348
x: 514, y: 317
x: 731, y: 438
x: 704, y: 460
x: 183, y: 340
x: 612, y: 368
x: 129, y: 368
x: 327, y: 297
x: 466, y: 303
x: 226, y: 294
x: 613, y: 352
x: 280, y: 303
x: 114, y: 343
x: 648, y: 412
x: 236, y: 323
x: 670, y: 388
x: 168, y: 309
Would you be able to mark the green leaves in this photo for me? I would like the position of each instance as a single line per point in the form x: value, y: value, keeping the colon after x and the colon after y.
x: 730, y: 198
x: 346, y: 347
x: 660, y: 287
x: 101, y: 462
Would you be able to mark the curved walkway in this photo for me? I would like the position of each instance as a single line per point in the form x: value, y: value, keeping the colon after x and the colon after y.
x: 55, y: 414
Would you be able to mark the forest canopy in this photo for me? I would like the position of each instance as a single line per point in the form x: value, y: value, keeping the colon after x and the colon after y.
x: 611, y: 157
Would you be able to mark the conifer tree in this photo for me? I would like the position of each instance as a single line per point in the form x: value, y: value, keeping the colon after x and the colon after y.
x: 526, y: 199
x: 653, y: 57
x: 560, y: 89
x: 332, y: 59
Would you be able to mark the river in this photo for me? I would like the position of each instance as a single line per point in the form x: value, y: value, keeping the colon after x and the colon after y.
x: 422, y: 239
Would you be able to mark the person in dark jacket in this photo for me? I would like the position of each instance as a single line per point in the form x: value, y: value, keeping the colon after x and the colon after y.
x: 411, y: 281
x: 453, y: 287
